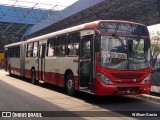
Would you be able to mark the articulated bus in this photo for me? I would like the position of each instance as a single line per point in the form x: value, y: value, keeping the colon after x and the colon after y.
x: 104, y: 57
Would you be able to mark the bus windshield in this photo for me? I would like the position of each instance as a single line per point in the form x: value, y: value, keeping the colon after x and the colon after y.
x: 124, y: 53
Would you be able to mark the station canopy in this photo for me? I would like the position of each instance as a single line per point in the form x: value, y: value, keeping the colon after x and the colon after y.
x: 30, y: 19
x: 17, y: 16
x: 142, y: 11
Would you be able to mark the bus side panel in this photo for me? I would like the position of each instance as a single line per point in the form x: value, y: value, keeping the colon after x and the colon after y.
x: 50, y: 77
x: 54, y: 78
x: 15, y: 66
x: 55, y: 68
x: 16, y: 71
x: 29, y: 64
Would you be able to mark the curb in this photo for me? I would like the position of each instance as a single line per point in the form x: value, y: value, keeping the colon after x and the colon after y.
x: 150, y: 97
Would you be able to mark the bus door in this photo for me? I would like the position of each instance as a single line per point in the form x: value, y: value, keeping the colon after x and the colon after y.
x: 41, y: 61
x: 86, y: 63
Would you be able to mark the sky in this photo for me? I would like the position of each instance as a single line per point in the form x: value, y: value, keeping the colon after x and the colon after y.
x: 154, y: 28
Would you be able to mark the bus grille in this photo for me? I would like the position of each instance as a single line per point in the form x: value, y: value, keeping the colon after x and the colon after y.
x: 127, y: 76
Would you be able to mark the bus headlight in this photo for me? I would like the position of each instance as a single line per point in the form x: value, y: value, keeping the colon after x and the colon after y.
x: 146, y: 80
x: 104, y: 79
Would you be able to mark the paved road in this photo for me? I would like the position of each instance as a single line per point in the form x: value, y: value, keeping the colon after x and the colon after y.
x: 14, y: 99
x: 19, y: 95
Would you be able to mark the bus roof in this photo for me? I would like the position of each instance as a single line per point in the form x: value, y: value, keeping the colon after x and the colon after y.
x: 64, y: 31
x: 13, y: 44
x: 90, y: 25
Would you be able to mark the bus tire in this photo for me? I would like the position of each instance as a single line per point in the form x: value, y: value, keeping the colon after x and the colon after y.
x: 33, y: 77
x: 70, y: 84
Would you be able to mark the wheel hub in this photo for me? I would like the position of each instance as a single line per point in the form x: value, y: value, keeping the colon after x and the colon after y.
x: 70, y: 84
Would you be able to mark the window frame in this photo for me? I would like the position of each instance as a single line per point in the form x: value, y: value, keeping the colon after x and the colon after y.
x: 75, y: 42
x: 59, y: 44
x: 14, y: 51
x: 33, y: 49
x: 54, y: 39
x: 27, y: 50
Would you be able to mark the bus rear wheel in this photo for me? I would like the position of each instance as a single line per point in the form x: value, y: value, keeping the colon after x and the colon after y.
x: 33, y: 77
x: 70, y: 84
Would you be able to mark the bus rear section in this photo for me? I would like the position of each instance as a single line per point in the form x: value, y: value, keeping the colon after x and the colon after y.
x: 14, y: 60
x: 122, y: 59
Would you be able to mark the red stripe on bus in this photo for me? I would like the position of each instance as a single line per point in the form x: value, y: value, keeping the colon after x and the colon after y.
x: 16, y: 71
x: 52, y: 78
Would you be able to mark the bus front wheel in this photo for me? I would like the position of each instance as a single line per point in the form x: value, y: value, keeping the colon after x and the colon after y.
x: 70, y: 85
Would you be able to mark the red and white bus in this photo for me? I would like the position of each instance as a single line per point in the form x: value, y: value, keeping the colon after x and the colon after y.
x: 105, y: 57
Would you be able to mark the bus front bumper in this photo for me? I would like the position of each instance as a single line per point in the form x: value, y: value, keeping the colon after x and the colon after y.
x: 121, y: 89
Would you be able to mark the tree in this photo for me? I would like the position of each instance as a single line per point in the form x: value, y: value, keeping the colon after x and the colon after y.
x: 155, y: 46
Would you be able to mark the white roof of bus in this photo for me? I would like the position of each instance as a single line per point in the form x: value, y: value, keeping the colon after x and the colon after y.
x: 75, y: 28
x: 68, y: 30
x: 13, y: 44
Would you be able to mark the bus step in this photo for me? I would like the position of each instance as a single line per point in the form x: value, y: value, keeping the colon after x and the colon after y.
x: 85, y: 88
x: 41, y: 81
x: 86, y: 91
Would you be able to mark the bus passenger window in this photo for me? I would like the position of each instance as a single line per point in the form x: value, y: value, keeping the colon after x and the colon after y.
x: 73, y: 44
x: 9, y: 52
x: 14, y: 52
x: 61, y: 45
x: 29, y: 51
x: 35, y: 49
x: 51, y: 47
x: 17, y: 51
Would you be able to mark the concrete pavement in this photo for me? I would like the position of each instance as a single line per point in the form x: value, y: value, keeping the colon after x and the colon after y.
x: 155, y: 88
